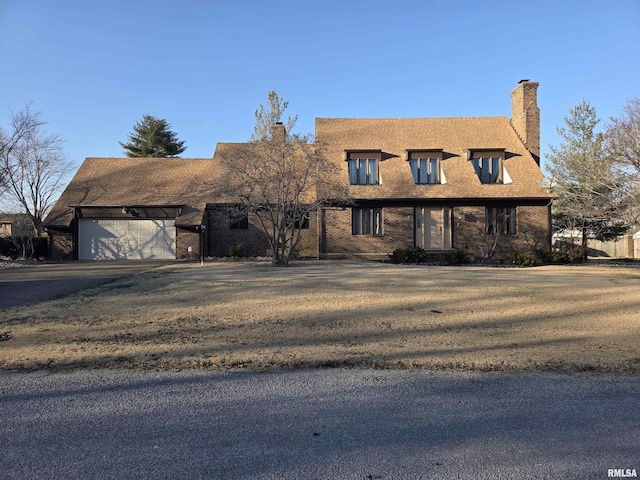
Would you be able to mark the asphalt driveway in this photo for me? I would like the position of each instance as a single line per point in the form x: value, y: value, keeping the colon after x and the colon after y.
x: 37, y: 282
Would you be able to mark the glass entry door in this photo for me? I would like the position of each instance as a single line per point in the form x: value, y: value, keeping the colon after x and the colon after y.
x: 433, y: 227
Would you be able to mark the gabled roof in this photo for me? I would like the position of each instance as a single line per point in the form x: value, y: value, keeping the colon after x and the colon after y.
x: 455, y: 137
x: 138, y: 182
x: 13, y: 217
x: 247, y: 152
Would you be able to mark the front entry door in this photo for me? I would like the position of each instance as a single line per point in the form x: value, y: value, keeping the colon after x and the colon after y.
x: 433, y: 228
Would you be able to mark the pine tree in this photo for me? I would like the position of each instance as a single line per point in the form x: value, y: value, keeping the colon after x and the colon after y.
x: 591, y: 194
x: 152, y: 137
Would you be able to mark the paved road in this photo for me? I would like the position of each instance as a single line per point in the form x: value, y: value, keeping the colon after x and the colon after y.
x: 324, y: 424
x: 37, y: 282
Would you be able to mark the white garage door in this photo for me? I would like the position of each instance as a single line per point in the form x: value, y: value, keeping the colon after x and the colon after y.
x: 110, y: 239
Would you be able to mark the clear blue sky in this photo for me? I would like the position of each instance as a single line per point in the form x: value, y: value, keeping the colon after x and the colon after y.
x: 93, y: 68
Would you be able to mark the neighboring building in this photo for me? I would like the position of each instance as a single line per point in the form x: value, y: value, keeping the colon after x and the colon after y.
x: 437, y: 183
x: 16, y: 224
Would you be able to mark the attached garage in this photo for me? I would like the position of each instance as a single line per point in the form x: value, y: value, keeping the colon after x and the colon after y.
x: 126, y: 239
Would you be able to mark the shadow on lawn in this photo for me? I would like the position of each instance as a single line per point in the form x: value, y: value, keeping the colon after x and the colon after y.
x: 352, y: 337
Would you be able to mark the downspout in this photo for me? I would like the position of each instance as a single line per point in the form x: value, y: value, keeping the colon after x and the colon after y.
x: 202, y: 230
x: 550, y: 223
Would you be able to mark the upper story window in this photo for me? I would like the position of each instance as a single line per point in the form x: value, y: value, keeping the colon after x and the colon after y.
x: 364, y: 168
x: 489, y: 167
x: 425, y: 167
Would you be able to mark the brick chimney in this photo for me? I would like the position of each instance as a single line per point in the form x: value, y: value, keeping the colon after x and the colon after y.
x: 525, y: 116
x: 279, y: 131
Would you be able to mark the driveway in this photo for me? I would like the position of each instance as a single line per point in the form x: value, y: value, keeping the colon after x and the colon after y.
x: 316, y: 424
x: 37, y: 282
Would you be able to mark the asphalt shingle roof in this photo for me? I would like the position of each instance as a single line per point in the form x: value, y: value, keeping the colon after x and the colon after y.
x: 454, y: 136
x: 136, y: 182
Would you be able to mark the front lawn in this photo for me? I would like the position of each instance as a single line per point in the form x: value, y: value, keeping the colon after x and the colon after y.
x: 339, y: 314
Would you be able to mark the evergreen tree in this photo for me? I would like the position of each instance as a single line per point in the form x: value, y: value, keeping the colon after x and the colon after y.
x: 152, y: 137
x: 591, y: 194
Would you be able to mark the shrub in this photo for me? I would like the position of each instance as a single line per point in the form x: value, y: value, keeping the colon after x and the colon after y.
x: 458, y: 256
x: 562, y: 256
x: 408, y: 255
x: 524, y: 259
x: 236, y: 250
x: 17, y: 247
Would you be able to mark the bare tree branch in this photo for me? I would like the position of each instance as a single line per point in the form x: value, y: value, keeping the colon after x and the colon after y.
x: 280, y: 178
x: 23, y: 124
x: 34, y: 170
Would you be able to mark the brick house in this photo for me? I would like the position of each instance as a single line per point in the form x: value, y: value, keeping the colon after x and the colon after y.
x: 437, y: 183
x: 17, y: 225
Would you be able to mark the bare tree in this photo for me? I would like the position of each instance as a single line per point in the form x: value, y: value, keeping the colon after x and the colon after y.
x: 34, y: 169
x: 22, y: 236
x: 622, y: 135
x: 23, y: 124
x: 622, y: 145
x: 280, y: 177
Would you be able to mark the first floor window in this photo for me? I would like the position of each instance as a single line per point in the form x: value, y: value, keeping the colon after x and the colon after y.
x: 366, y: 221
x: 302, y: 224
x: 239, y: 222
x: 500, y: 220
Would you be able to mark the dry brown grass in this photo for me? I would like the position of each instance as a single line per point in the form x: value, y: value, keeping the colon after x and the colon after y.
x: 360, y: 314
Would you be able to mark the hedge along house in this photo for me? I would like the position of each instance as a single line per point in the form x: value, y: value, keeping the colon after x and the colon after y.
x: 435, y: 183
x: 132, y: 208
x: 438, y: 183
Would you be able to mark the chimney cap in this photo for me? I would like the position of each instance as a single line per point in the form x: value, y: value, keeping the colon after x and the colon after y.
x: 524, y: 80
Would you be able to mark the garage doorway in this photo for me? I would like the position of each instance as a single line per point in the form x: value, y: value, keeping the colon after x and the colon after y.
x: 126, y: 239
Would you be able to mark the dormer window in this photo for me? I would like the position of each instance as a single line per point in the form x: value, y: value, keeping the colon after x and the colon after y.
x: 425, y: 167
x: 363, y: 168
x: 488, y: 167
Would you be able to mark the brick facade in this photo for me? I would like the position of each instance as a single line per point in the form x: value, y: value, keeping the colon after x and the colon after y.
x: 60, y: 245
x: 338, y: 240
x: 221, y: 237
x: 532, y: 231
x: 185, y: 239
x: 468, y: 226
